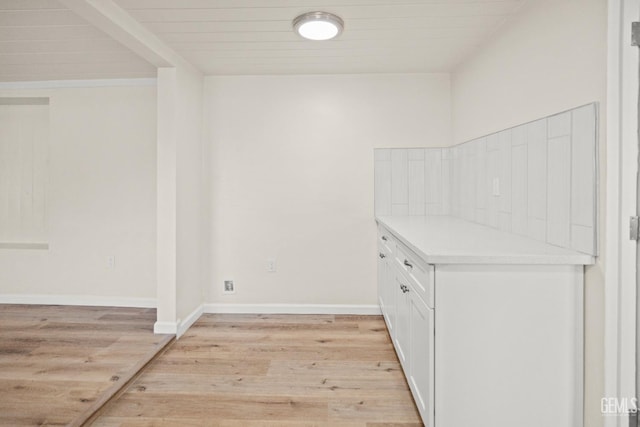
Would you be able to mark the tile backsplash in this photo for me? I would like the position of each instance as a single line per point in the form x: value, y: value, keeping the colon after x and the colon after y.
x: 537, y: 180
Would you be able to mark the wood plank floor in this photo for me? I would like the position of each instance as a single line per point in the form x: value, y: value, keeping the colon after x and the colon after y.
x: 55, y: 361
x: 272, y: 370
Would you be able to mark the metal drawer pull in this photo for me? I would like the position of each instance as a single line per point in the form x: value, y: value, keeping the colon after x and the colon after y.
x: 384, y: 238
x: 408, y: 264
x: 381, y: 255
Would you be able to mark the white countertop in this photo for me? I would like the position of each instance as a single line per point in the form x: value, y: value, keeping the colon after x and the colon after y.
x: 450, y: 240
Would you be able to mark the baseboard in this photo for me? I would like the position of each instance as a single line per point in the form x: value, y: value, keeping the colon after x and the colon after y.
x: 170, y: 328
x: 78, y: 300
x: 292, y: 309
x: 190, y: 320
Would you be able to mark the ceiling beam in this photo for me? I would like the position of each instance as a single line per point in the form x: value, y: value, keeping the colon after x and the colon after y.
x: 117, y: 23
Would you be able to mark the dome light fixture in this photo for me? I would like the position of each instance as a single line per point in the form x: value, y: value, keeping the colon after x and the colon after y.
x: 318, y: 25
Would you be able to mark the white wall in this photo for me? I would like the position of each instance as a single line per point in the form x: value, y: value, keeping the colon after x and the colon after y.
x: 549, y: 58
x: 292, y: 178
x: 100, y: 199
x: 181, y: 239
x: 189, y: 186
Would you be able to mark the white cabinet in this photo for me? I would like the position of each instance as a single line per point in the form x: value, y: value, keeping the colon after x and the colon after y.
x: 480, y: 340
x: 402, y: 333
x: 421, y: 356
x: 386, y: 290
x: 382, y: 279
x: 402, y: 287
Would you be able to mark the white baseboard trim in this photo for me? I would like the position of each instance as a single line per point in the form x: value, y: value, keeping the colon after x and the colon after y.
x: 190, y: 320
x: 78, y: 300
x: 167, y: 328
x: 292, y: 309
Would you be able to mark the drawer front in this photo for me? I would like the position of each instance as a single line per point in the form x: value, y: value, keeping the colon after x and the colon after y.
x: 420, y: 274
x: 386, y: 240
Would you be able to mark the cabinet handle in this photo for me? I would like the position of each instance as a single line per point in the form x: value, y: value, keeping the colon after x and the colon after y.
x: 384, y: 238
x: 408, y: 264
x: 381, y: 255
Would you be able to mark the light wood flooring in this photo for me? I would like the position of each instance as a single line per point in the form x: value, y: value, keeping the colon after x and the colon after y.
x: 272, y: 370
x: 56, y: 362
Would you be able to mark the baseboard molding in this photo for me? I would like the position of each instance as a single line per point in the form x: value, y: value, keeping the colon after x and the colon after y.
x: 292, y: 309
x: 167, y: 328
x: 78, y: 300
x: 190, y: 320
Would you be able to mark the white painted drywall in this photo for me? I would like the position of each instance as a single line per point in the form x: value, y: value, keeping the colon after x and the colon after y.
x: 291, y: 176
x: 181, y: 240
x: 189, y: 185
x: 101, y: 197
x: 551, y: 57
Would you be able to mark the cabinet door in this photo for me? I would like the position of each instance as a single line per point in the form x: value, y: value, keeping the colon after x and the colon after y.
x: 403, y: 320
x: 386, y: 291
x: 421, y: 356
x: 390, y: 297
x: 382, y: 280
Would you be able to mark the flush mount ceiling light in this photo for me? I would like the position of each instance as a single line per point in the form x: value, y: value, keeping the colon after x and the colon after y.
x: 318, y: 25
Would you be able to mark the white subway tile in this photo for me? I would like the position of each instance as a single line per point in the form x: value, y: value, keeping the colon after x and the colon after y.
x: 433, y: 176
x: 481, y: 216
x: 399, y: 183
x: 400, y: 209
x: 583, y: 239
x: 415, y: 153
x: 537, y: 179
x: 559, y: 125
x: 470, y: 186
x: 504, y: 222
x: 583, y: 166
x: 446, y: 184
x: 481, y: 174
x: 559, y: 191
x: 416, y: 183
x: 493, y: 202
x: 493, y: 142
x: 519, y: 197
x: 505, y: 170
x: 382, y: 185
x: 519, y: 135
x: 383, y: 154
x: 537, y: 229
x: 435, y: 210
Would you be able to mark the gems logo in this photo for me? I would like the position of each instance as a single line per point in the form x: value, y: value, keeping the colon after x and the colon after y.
x: 618, y: 406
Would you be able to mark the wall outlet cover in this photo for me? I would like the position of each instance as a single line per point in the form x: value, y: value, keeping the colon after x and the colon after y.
x: 229, y: 287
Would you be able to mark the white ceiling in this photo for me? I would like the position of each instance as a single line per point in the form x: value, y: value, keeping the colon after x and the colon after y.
x: 256, y: 37
x: 43, y: 40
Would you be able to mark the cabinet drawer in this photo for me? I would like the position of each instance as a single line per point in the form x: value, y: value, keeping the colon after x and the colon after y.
x: 386, y: 240
x: 420, y: 274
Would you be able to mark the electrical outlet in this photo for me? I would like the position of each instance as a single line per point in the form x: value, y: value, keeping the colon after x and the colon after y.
x: 229, y: 287
x: 111, y: 261
x: 271, y: 265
